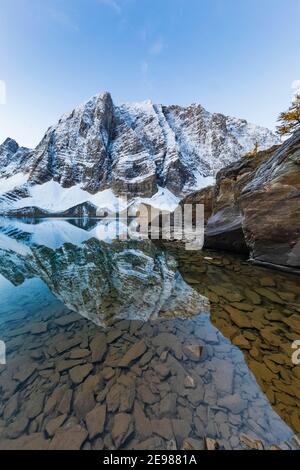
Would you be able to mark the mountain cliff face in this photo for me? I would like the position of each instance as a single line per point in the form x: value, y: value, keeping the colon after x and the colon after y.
x: 255, y: 206
x: 131, y: 149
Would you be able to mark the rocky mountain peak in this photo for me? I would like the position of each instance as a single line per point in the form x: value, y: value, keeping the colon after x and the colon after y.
x: 9, y: 145
x: 134, y: 149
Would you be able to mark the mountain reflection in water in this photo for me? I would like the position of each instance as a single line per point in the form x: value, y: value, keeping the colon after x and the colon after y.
x: 141, y: 307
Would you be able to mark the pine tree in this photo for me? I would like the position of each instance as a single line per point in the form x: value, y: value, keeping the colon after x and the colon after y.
x: 290, y: 120
x: 254, y: 151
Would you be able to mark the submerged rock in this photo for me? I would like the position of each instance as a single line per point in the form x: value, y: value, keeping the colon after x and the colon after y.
x: 122, y: 428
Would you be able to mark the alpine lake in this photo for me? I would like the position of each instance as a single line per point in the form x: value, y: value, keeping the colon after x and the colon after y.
x: 139, y: 344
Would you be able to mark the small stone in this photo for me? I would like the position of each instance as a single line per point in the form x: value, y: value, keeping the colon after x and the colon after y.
x: 39, y: 328
x: 243, y: 306
x: 251, y: 443
x: 181, y: 430
x: 79, y: 353
x: 146, y: 395
x: 210, y: 444
x: 278, y: 358
x: 66, y: 320
x: 270, y: 334
x: 133, y: 353
x: 113, y: 335
x: 189, y: 382
x: 163, y: 428
x: 95, y: 421
x: 69, y: 439
x: 223, y: 375
x: 127, y: 399
x: 64, y: 345
x: 35, y: 406
x: 192, y: 444
x: 87, y: 446
x: 79, y: 373
x: 35, y: 441
x: 150, y: 444
x: 287, y: 296
x: 64, y: 365
x: 122, y: 429
x: 65, y: 404
x: 98, y: 346
x: 162, y: 370
x: 167, y: 406
x: 196, y: 395
x: 267, y: 282
x: 270, y: 295
x: 253, y: 296
x: 199, y: 427
x: 84, y: 402
x: 146, y: 358
x: 239, y: 318
x: 128, y: 380
x: 113, y: 397
x: 230, y: 296
x: 53, y: 400
x: 17, y: 428
x: 98, y: 444
x: 25, y: 372
x: 54, y: 424
x: 193, y: 351
x: 142, y: 423
x: 293, y: 322
x: 171, y: 445
x: 163, y: 357
x: 234, y: 403
x: 11, y: 407
x: 108, y: 373
x: 241, y: 342
x: 168, y: 342
x: 254, y: 352
x: 37, y: 354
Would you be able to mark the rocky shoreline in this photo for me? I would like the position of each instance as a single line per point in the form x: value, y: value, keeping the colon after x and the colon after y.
x: 254, y: 207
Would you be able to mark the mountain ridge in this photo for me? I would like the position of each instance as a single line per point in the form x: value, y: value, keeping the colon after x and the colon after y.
x: 132, y: 149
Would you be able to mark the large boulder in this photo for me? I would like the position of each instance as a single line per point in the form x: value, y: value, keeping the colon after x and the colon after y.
x: 225, y: 226
x: 256, y: 206
x: 205, y: 196
x: 270, y: 204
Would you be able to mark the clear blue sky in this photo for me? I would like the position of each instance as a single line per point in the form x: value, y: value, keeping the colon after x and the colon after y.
x: 238, y: 57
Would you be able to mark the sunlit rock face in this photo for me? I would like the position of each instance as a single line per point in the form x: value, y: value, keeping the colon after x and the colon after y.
x: 271, y: 206
x: 254, y: 207
x: 132, y: 149
x: 103, y: 281
x: 225, y: 225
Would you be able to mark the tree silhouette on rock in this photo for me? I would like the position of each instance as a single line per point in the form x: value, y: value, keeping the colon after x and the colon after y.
x: 289, y: 121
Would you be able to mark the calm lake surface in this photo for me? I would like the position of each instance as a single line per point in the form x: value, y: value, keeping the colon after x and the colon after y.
x: 141, y: 345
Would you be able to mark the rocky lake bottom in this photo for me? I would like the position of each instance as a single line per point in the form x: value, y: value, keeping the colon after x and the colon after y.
x: 141, y: 345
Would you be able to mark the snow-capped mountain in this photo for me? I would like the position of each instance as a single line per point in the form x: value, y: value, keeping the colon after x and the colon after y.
x: 101, y: 151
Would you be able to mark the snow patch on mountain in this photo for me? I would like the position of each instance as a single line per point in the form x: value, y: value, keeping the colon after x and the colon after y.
x: 12, y: 182
x: 53, y: 198
x: 164, y: 200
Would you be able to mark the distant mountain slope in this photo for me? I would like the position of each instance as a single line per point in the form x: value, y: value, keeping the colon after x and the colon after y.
x: 131, y: 149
